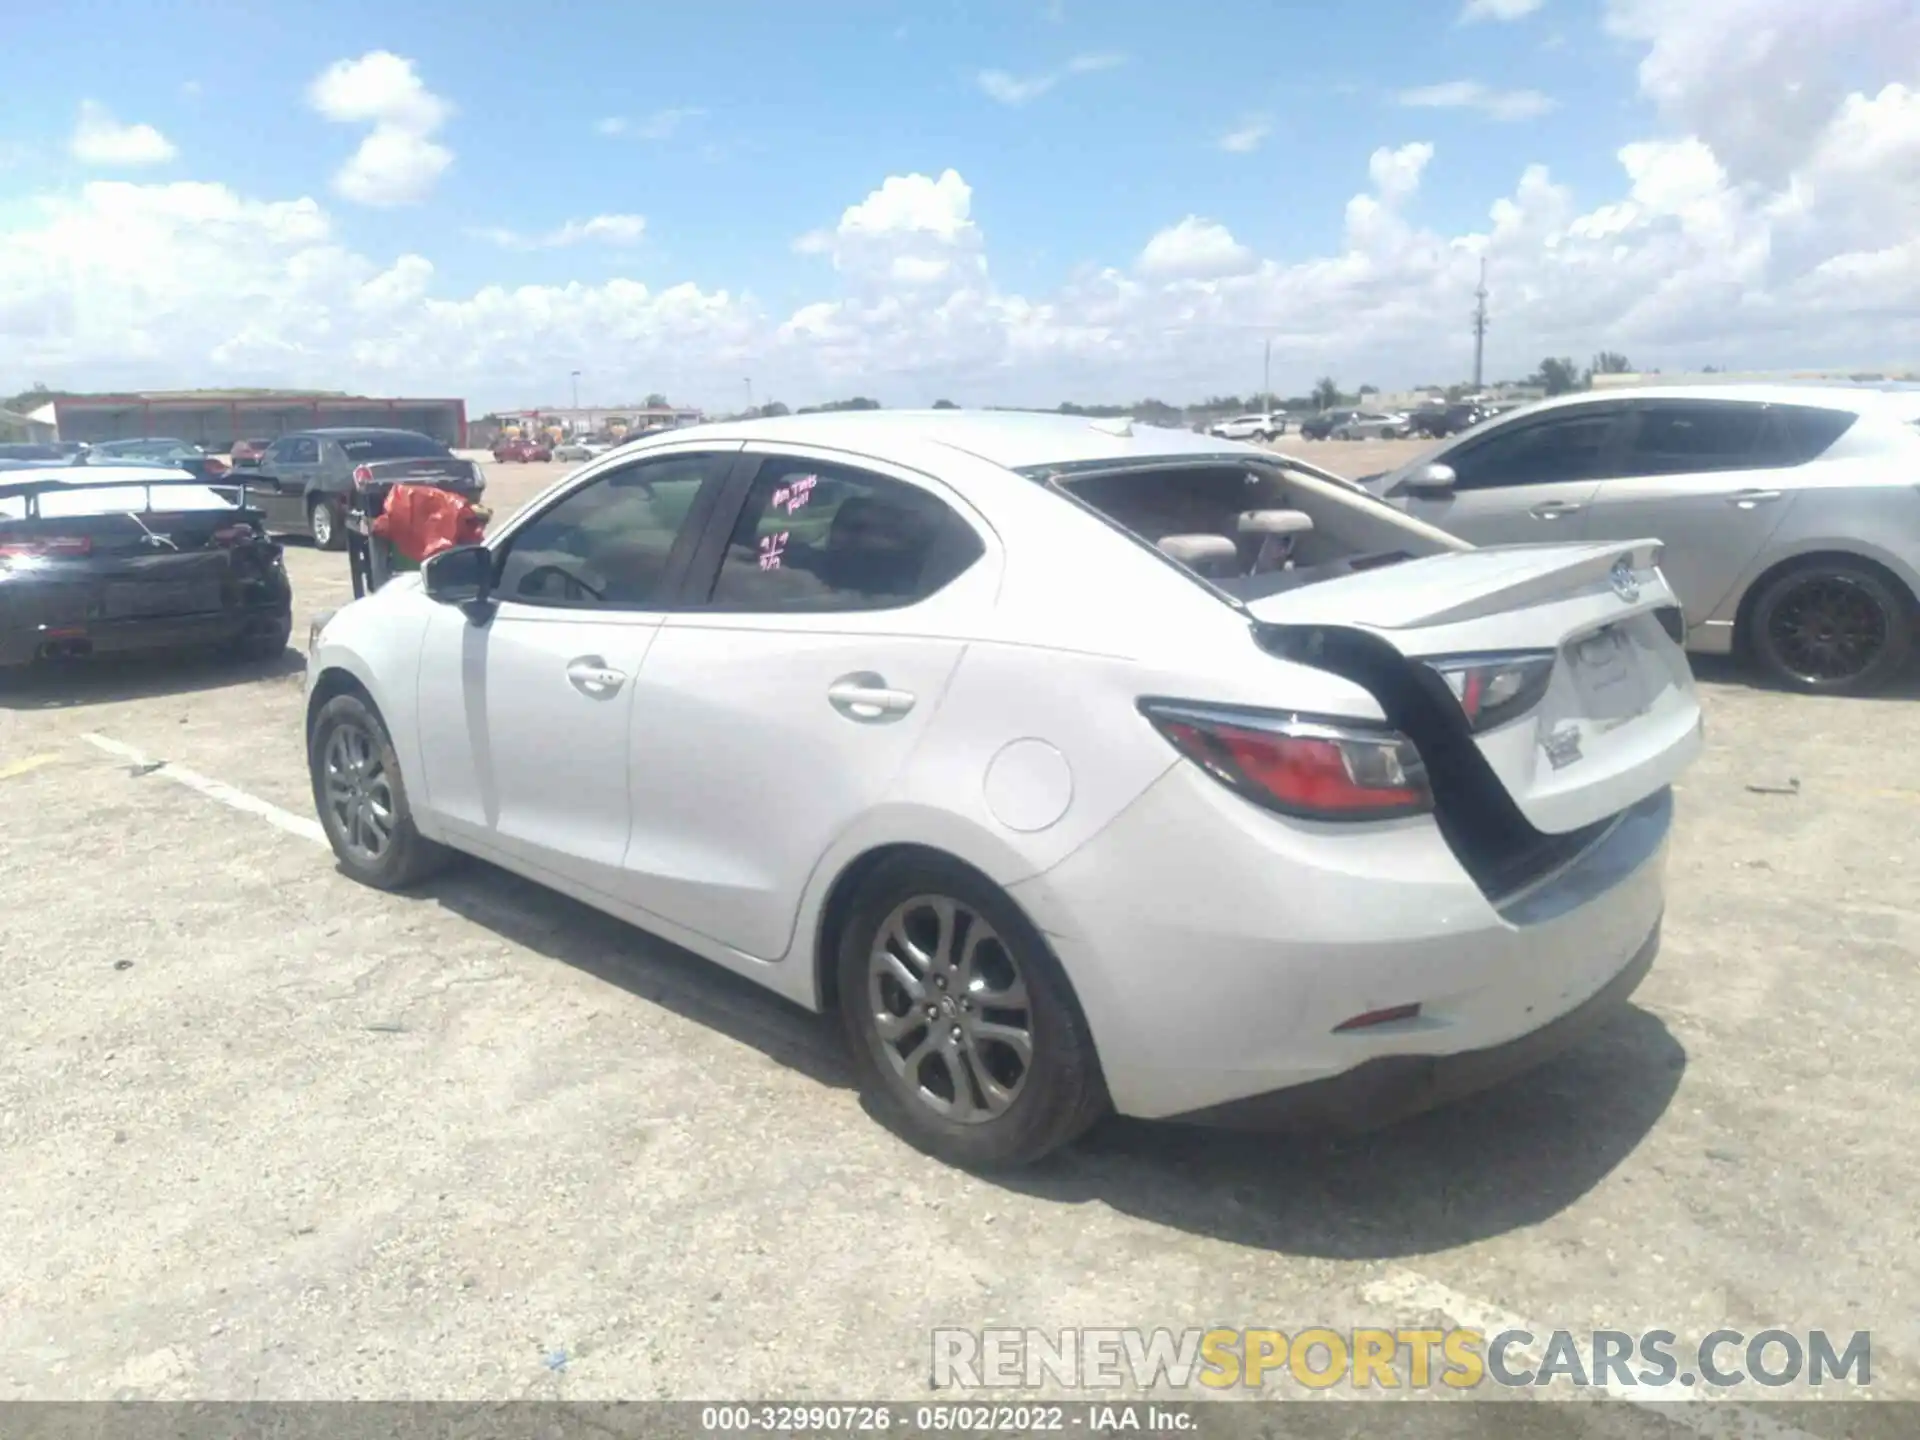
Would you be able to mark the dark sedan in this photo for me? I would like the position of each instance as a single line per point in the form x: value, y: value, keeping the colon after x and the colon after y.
x: 159, y: 450
x: 148, y: 559
x: 1322, y: 426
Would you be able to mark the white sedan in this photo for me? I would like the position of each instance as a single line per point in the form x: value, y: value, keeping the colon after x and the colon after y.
x: 1077, y: 766
x: 580, y: 449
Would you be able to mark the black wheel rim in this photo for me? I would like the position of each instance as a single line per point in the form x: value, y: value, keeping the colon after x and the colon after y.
x: 1828, y: 629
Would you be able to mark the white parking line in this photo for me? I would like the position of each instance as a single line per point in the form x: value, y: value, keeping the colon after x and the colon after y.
x: 233, y: 799
x: 1405, y: 1292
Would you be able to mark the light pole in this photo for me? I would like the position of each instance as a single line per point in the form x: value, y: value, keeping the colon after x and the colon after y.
x: 576, y: 393
x: 1266, y: 376
x: 749, y: 385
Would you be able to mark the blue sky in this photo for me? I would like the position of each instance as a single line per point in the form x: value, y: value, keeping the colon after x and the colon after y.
x: 1080, y: 132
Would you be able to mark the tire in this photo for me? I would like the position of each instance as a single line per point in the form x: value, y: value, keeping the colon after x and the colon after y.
x: 323, y: 524
x: 1008, y: 1115
x: 355, y: 727
x: 1265, y: 437
x: 1831, y: 627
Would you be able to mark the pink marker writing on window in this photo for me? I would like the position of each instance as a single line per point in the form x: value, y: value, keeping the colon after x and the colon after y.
x: 771, y: 547
x: 791, y: 497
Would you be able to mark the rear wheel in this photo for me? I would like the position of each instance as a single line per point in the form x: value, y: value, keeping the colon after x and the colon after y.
x: 963, y: 1030
x: 1832, y: 627
x: 362, y: 799
x: 269, y: 642
x: 323, y: 523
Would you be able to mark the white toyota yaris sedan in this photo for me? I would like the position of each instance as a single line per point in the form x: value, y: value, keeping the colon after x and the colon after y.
x: 1078, y: 766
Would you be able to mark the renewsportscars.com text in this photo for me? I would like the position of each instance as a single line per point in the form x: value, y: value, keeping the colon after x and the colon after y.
x: 1379, y: 1359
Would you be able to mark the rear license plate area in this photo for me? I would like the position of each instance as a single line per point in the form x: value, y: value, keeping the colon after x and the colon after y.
x: 1607, y: 675
x: 124, y: 601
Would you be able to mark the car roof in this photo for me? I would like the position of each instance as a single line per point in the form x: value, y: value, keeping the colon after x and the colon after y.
x: 1859, y: 399
x: 338, y: 432
x: 1011, y: 439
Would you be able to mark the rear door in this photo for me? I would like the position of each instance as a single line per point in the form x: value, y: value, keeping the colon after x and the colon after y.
x: 1702, y: 476
x: 828, y: 613
x: 284, y: 474
x: 1530, y: 482
x: 1616, y: 716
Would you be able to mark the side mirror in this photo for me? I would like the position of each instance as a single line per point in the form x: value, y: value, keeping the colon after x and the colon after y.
x: 1429, y: 482
x: 460, y: 576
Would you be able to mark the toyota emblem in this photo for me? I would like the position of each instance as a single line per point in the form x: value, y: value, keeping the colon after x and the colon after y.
x: 1625, y: 583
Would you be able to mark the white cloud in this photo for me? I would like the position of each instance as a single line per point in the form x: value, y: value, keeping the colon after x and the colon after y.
x: 1195, y: 249
x: 658, y: 126
x: 1498, y: 10
x: 1681, y: 258
x: 1247, y: 136
x: 99, y: 139
x: 606, y: 229
x: 1007, y: 88
x: 399, y: 161
x: 1472, y: 95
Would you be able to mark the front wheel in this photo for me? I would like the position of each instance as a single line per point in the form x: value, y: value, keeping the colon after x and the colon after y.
x: 362, y: 799
x: 323, y: 523
x: 1832, y: 628
x: 963, y: 1031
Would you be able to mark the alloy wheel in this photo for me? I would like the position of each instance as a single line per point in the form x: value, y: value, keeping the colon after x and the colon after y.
x: 1828, y: 629
x: 359, y: 794
x: 320, y: 521
x: 949, y: 1006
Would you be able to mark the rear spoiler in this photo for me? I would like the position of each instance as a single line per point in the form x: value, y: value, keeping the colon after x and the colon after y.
x: 32, y: 490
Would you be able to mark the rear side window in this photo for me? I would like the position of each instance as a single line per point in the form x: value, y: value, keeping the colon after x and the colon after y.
x: 1569, y: 446
x: 1687, y: 439
x: 1799, y: 433
x: 301, y: 451
x: 362, y: 448
x: 825, y: 537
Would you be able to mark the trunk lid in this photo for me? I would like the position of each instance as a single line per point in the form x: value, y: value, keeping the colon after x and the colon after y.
x: 448, y: 472
x: 1618, y: 717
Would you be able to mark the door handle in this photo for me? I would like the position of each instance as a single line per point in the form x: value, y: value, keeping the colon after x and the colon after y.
x: 867, y: 697
x: 591, y: 675
x: 1554, y: 509
x: 1747, y: 499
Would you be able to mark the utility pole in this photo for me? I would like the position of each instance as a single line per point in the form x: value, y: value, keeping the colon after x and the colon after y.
x: 575, y: 377
x: 749, y: 383
x: 1266, y: 377
x: 1480, y: 325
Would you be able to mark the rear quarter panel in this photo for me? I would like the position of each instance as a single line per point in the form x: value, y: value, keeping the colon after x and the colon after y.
x: 1835, y: 510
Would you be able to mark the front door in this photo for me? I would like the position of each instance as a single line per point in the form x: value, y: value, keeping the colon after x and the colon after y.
x: 1529, y: 483
x: 1695, y: 474
x: 773, y: 716
x: 530, y: 709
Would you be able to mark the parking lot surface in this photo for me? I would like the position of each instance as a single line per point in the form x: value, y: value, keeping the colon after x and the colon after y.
x: 267, y: 1134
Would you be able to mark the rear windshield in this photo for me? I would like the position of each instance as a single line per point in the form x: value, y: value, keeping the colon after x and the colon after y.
x: 393, y: 447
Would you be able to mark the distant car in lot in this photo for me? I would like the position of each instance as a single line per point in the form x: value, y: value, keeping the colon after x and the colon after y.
x: 160, y: 450
x: 1322, y: 425
x: 246, y: 453
x: 1374, y: 425
x: 964, y: 725
x: 1439, y: 421
x: 1790, y: 514
x: 523, y: 451
x: 1263, y: 426
x: 304, y: 480
x: 99, y: 560
x: 581, y: 449
x: 33, y: 453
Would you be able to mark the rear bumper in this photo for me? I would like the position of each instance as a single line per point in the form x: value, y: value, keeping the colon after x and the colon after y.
x: 1393, y: 1087
x: 1217, y: 949
x: 22, y: 646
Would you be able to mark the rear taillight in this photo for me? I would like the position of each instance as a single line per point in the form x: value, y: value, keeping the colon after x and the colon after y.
x: 362, y: 476
x: 233, y: 535
x: 1493, y: 689
x: 1315, y: 769
x: 47, y: 547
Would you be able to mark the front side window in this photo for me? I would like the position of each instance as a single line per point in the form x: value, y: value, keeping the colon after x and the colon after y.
x: 607, y: 544
x: 302, y: 451
x: 826, y: 537
x: 1565, y: 447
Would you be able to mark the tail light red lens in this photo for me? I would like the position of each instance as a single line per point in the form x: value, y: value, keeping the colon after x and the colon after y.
x: 1314, y: 769
x: 47, y: 547
x: 362, y: 476
x: 1493, y: 689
